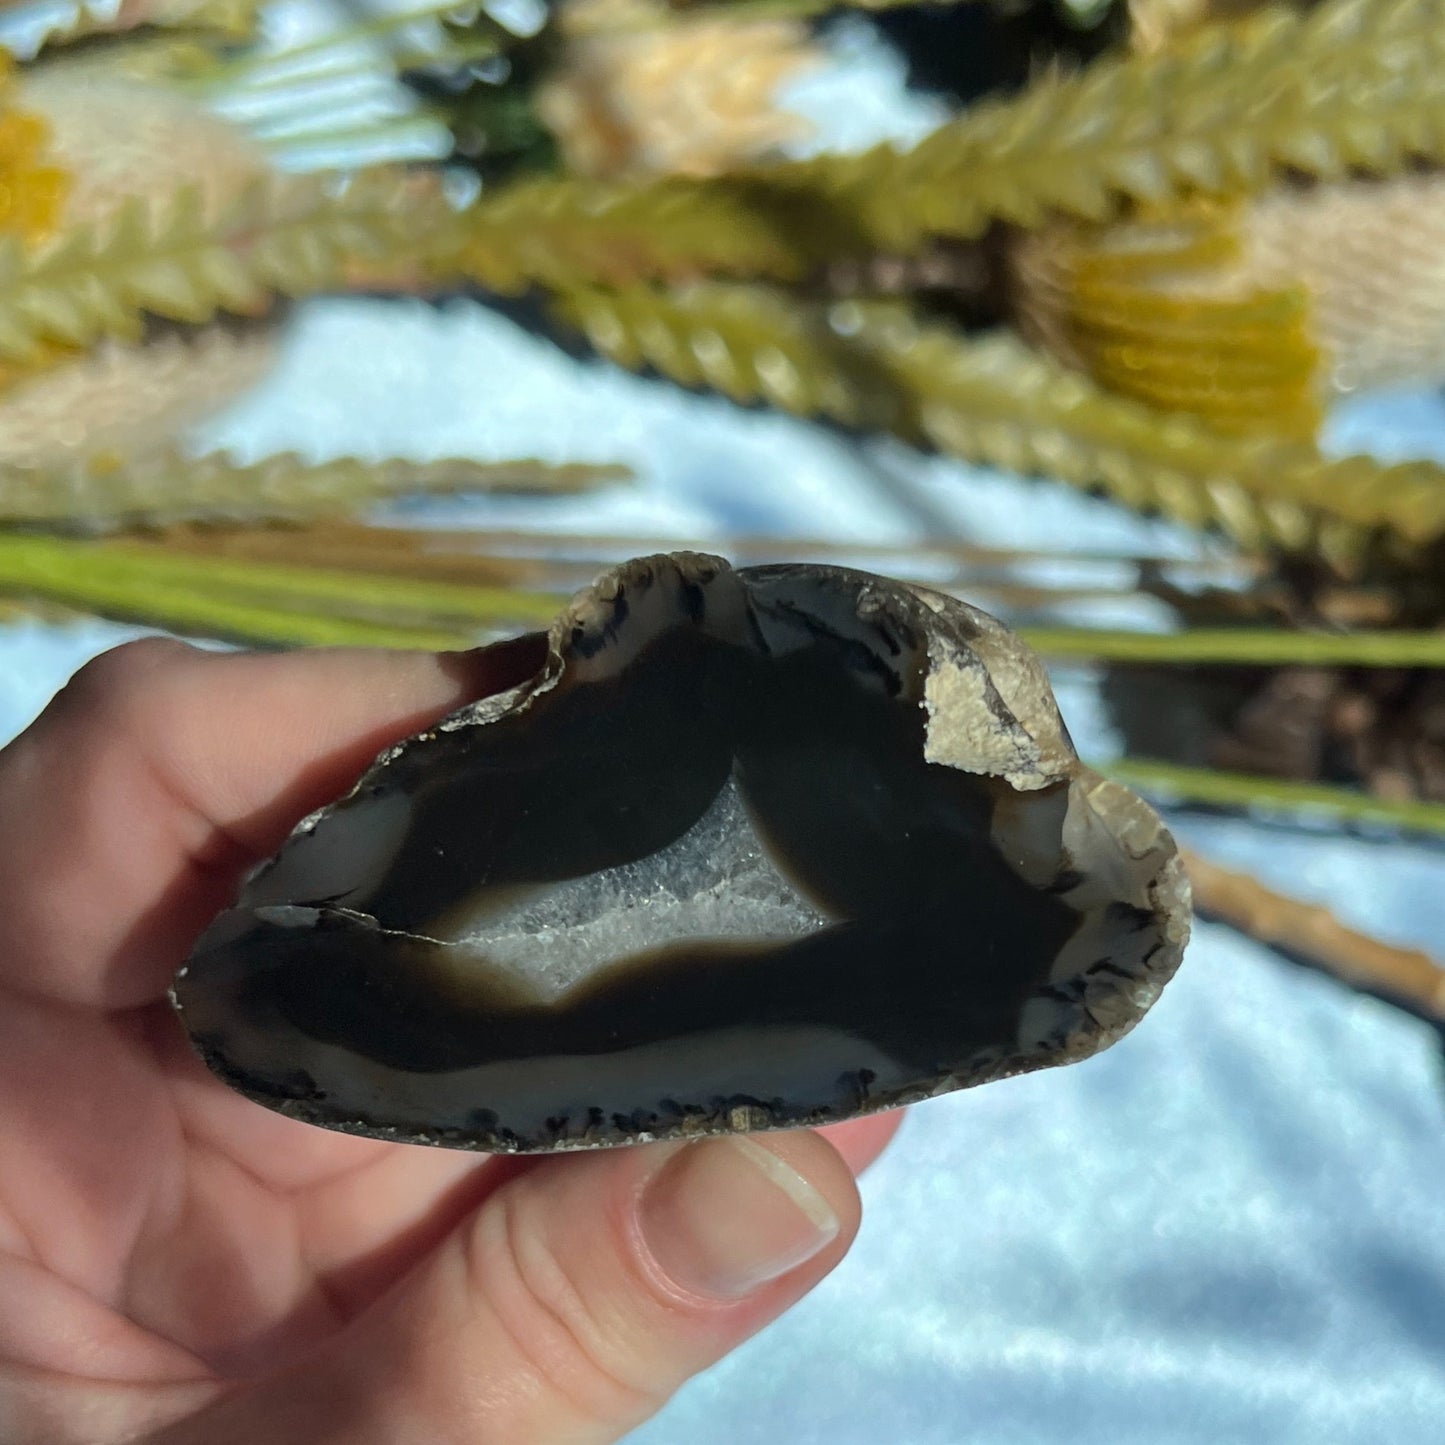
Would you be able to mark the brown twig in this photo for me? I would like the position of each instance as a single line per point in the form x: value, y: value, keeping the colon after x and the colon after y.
x: 1312, y: 934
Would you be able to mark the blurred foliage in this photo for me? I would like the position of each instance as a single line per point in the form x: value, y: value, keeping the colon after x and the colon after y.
x: 876, y: 366
x: 170, y: 487
x: 187, y: 260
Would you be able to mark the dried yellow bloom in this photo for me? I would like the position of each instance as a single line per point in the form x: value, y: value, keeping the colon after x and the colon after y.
x: 32, y: 191
x: 1169, y: 310
x: 640, y: 90
x: 1371, y: 256
x: 1252, y: 316
x: 115, y: 139
x: 128, y: 400
x: 120, y: 138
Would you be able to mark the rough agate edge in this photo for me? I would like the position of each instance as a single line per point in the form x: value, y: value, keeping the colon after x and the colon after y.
x: 753, y: 849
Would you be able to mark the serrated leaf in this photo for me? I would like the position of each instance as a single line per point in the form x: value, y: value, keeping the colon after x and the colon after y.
x: 1224, y: 112
x: 994, y: 401
x: 284, y: 234
x: 172, y: 487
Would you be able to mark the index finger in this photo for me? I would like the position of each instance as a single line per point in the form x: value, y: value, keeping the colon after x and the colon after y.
x: 134, y: 803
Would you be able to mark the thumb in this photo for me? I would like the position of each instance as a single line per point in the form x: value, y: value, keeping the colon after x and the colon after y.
x: 572, y: 1304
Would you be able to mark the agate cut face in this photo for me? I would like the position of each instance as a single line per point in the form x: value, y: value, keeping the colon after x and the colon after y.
x: 754, y: 848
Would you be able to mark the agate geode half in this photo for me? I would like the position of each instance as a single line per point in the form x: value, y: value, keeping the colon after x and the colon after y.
x: 753, y: 848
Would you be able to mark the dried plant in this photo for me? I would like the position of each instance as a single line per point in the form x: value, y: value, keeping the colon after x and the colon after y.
x: 640, y: 88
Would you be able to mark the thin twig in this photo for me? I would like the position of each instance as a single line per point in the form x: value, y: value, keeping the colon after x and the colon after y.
x: 1312, y: 934
x: 744, y: 547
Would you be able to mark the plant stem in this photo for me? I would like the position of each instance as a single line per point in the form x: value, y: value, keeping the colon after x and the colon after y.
x: 265, y: 603
x: 1261, y: 646
x: 1241, y: 790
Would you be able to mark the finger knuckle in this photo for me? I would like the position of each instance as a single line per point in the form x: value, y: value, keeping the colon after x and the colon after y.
x: 119, y: 682
x: 555, y: 1330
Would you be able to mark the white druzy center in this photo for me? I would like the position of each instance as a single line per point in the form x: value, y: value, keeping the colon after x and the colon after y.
x: 715, y: 882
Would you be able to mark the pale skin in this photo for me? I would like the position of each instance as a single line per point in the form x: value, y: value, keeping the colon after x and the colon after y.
x: 178, y: 1265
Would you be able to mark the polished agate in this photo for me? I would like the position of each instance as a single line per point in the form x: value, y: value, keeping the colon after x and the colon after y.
x: 753, y: 848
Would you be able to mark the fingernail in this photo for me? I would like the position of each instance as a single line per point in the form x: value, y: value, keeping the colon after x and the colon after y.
x: 725, y: 1216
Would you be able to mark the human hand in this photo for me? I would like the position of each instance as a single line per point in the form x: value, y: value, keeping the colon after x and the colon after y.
x: 181, y: 1267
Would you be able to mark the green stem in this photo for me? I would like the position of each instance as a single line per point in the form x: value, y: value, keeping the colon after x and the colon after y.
x: 430, y: 600
x: 195, y: 614
x: 259, y: 602
x: 1241, y: 790
x: 1260, y: 646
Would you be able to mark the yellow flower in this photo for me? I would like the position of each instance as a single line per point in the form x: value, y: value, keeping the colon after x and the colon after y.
x: 119, y: 138
x: 1253, y: 315
x: 114, y: 139
x: 32, y: 192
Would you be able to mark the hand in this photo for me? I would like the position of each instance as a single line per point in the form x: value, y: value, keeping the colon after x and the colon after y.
x: 179, y: 1265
